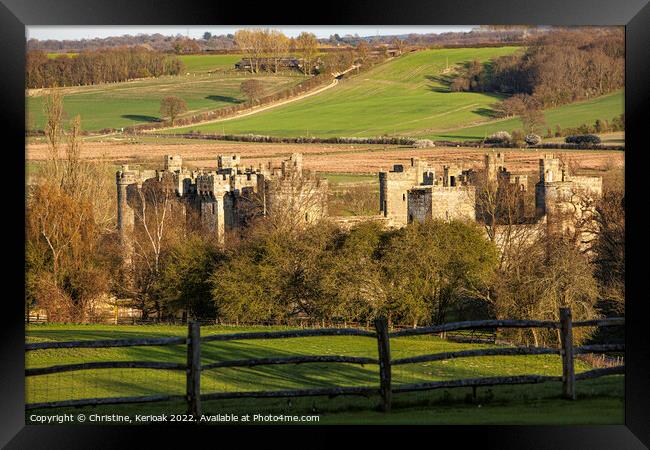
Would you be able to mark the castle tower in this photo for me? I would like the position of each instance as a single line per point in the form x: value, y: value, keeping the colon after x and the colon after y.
x: 549, y: 169
x: 228, y: 163
x: 125, y: 216
x: 494, y: 163
x: 296, y: 163
x: 553, y: 191
x: 173, y: 163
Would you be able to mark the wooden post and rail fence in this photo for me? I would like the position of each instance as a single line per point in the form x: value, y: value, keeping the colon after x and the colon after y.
x: 385, y: 390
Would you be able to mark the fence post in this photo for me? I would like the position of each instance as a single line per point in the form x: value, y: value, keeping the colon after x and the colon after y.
x: 566, y: 337
x: 194, y: 368
x: 383, y: 345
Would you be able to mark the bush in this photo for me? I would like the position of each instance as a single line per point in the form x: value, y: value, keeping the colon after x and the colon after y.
x: 518, y: 138
x: 533, y: 139
x: 500, y: 137
x: 582, y: 139
x: 423, y: 143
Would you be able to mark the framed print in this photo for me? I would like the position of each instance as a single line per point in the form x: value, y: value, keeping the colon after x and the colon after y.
x: 399, y: 218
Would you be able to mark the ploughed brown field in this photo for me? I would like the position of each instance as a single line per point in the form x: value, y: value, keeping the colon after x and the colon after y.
x: 331, y: 157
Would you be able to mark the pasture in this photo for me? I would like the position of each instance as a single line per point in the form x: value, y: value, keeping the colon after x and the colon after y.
x: 116, y: 105
x: 567, y: 116
x: 504, y: 404
x: 208, y: 63
x: 407, y: 96
x: 396, y: 97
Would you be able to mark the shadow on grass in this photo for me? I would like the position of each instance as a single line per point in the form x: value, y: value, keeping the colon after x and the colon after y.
x: 140, y: 118
x: 485, y: 112
x: 224, y: 99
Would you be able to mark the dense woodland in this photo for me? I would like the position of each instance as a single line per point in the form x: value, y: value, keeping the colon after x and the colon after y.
x: 555, y: 69
x: 97, y: 66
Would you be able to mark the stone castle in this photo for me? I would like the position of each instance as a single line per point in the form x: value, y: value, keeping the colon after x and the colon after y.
x: 226, y: 199
x: 416, y: 193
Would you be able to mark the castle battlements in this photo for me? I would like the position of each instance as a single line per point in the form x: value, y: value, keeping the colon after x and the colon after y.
x: 413, y: 192
x: 224, y: 198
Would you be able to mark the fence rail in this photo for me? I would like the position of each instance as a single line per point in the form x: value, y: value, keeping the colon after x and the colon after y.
x: 193, y: 367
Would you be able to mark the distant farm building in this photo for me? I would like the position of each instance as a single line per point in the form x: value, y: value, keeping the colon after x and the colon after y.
x: 269, y: 63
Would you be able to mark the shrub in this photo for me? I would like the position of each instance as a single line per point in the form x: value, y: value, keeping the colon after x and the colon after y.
x: 518, y: 138
x: 423, y: 143
x: 532, y: 139
x: 500, y: 137
x: 582, y: 139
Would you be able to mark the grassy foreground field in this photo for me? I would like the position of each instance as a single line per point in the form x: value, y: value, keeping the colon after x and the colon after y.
x: 600, y: 401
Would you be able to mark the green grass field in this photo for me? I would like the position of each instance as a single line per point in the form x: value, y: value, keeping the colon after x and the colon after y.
x: 407, y: 96
x: 206, y: 63
x: 396, y: 97
x: 117, y: 105
x: 541, y: 401
x: 567, y: 116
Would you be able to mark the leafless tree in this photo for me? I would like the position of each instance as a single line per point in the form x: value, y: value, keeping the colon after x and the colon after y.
x: 172, y: 107
x: 159, y: 220
x: 307, y: 45
x: 289, y: 203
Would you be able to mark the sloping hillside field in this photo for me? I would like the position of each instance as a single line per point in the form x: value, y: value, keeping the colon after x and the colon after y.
x: 407, y: 96
x: 116, y: 105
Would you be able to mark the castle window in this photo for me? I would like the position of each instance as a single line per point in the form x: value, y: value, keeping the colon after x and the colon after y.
x: 403, y: 197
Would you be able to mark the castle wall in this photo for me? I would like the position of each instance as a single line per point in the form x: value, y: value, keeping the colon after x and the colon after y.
x: 588, y: 185
x: 440, y: 202
x: 419, y: 204
x: 453, y: 203
x: 297, y: 196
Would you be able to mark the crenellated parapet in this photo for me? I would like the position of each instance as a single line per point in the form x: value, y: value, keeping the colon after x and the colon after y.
x: 223, y: 198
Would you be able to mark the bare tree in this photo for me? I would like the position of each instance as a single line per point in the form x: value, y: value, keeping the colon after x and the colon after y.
x: 363, y: 49
x: 399, y: 44
x: 307, y: 44
x: 158, y: 222
x: 253, y: 89
x: 172, y: 107
x: 245, y: 42
x: 53, y: 110
x: 293, y: 201
x: 278, y: 47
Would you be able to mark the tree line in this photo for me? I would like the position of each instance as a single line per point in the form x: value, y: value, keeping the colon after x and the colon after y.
x: 226, y: 42
x: 555, y: 69
x: 98, y: 66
